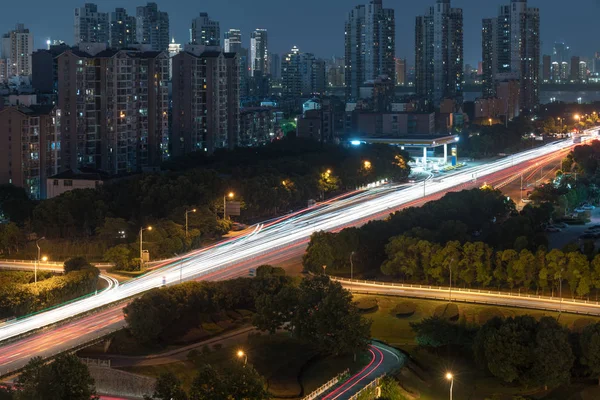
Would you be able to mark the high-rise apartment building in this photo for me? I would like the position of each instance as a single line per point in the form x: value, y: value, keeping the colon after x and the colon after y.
x: 205, y: 100
x: 114, y: 109
x: 30, y: 141
x: 205, y: 31
x: 562, y: 52
x: 275, y: 65
x: 370, y: 47
x: 546, y: 68
x: 555, y: 72
x: 583, y: 72
x: 302, y: 74
x: 259, y: 52
x: 401, y: 72
x: 564, y: 71
x: 575, y: 76
x: 439, y: 68
x: 152, y: 27
x: 511, y: 50
x: 233, y: 41
x: 122, y: 31
x: 17, y: 47
x: 91, y: 26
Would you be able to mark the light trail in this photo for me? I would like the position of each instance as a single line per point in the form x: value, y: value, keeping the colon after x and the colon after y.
x: 273, y: 236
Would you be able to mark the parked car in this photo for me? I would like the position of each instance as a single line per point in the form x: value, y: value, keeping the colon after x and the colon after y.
x: 588, y: 207
x: 552, y: 229
x: 561, y: 225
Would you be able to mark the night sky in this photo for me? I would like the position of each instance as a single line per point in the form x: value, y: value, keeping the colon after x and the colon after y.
x: 315, y: 26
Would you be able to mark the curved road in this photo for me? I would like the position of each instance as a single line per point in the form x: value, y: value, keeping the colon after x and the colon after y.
x: 384, y: 360
x: 235, y: 257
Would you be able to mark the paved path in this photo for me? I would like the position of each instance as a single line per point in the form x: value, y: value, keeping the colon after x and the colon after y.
x: 384, y: 359
x: 226, y: 339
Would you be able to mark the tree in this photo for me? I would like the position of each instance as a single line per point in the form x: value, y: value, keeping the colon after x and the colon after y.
x: 391, y: 389
x: 64, y: 378
x: 233, y: 382
x: 552, y: 354
x: 320, y: 252
x: 121, y: 257
x: 508, y: 350
x: 589, y: 341
x: 168, y: 387
x: 76, y: 264
x: 436, y: 332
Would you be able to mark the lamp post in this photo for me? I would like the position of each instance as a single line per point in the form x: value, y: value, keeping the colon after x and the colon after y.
x: 230, y: 195
x: 560, y: 290
x: 141, y: 246
x: 352, y: 265
x: 450, y: 377
x: 241, y: 354
x: 37, y: 243
x: 186, y: 220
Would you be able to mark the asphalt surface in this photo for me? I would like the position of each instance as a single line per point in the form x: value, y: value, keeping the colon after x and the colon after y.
x: 384, y: 359
x: 273, y: 242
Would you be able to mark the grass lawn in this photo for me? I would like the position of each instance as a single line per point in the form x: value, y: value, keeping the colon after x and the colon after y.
x: 279, y: 358
x: 470, y: 382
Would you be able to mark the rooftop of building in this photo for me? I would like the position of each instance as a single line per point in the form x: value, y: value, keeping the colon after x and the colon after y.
x: 84, y: 174
x: 32, y: 110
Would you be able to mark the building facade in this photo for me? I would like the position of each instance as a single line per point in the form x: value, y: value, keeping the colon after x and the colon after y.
x: 91, y: 26
x: 401, y: 72
x: 30, y: 142
x: 17, y: 47
x: 259, y: 52
x: 511, y: 50
x: 114, y: 109
x: 152, y: 27
x: 205, y: 100
x: 439, y: 71
x: 370, y: 47
x: 205, y: 31
x: 256, y: 126
x: 233, y: 41
x: 122, y: 31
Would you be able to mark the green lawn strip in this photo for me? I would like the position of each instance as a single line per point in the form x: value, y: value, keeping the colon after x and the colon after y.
x: 470, y: 381
x: 279, y: 358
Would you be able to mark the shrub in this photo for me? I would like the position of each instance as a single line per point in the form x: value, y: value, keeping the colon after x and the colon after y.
x: 405, y: 309
x: 447, y: 311
x: 367, y: 305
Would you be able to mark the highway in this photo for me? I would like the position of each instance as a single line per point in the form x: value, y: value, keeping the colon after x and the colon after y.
x: 234, y: 257
x: 554, y: 304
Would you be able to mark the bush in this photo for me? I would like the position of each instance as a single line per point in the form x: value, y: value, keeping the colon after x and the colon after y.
x: 76, y: 264
x: 405, y: 309
x: 489, y: 313
x: 447, y: 311
x: 367, y: 305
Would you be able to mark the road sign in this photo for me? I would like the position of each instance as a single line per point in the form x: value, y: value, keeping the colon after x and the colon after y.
x: 234, y: 208
x: 164, y: 280
x: 252, y: 273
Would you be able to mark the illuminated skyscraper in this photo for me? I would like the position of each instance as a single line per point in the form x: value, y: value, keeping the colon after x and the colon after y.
x: 259, y: 52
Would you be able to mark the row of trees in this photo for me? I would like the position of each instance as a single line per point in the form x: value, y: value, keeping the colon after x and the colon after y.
x: 474, y: 215
x: 519, y: 350
x: 64, y: 378
x: 18, y: 298
x: 233, y: 381
x: 268, y: 181
x: 478, y: 265
x: 316, y: 310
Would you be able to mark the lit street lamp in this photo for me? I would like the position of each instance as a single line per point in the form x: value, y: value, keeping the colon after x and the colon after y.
x: 450, y: 377
x: 141, y: 246
x: 186, y: 221
x: 243, y: 355
x: 231, y: 195
x: 37, y: 243
x: 368, y: 165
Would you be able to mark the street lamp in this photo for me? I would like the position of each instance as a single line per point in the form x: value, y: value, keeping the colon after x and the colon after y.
x: 368, y: 165
x: 231, y: 195
x: 37, y: 243
x: 243, y: 355
x: 141, y: 246
x: 352, y: 265
x: 490, y: 121
x: 186, y: 220
x: 450, y: 377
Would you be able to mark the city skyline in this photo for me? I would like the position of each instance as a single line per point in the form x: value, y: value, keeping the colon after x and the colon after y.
x: 324, y: 38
